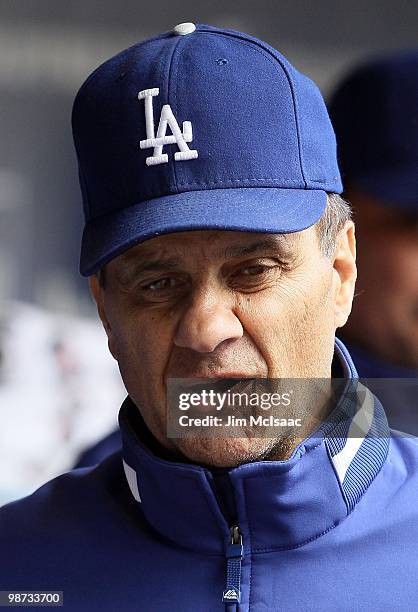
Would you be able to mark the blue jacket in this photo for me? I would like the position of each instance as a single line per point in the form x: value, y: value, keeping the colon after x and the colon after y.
x: 332, y: 528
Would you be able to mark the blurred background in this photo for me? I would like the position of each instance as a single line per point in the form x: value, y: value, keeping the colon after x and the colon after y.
x: 59, y: 388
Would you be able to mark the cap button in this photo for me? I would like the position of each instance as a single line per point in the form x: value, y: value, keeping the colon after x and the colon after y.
x: 184, y: 28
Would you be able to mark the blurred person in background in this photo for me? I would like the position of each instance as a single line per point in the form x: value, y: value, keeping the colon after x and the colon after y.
x: 374, y: 112
x: 54, y: 372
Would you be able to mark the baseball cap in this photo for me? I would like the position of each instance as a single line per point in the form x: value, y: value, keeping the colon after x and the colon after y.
x: 375, y: 116
x: 199, y: 128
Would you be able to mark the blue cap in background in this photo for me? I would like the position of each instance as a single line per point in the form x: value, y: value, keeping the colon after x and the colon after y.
x: 199, y: 128
x: 374, y: 112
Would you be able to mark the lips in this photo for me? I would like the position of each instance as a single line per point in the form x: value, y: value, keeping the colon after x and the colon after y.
x: 221, y: 394
x: 219, y: 384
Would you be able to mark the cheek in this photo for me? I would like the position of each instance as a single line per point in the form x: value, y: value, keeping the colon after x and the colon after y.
x: 142, y: 344
x: 292, y: 324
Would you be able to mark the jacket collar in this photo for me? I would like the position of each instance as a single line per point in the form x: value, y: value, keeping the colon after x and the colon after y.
x: 276, y: 504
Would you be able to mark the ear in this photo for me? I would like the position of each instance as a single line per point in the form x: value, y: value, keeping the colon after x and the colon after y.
x: 345, y: 273
x: 98, y: 294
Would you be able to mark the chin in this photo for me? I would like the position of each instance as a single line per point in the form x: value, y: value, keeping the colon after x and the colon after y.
x: 224, y: 452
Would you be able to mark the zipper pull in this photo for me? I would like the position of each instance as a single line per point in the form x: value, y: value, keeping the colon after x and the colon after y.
x: 234, y: 556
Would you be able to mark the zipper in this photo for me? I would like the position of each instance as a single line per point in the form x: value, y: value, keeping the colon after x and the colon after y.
x: 231, y: 596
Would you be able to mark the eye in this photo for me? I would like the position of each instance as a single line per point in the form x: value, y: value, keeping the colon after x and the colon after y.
x: 160, y: 284
x: 255, y: 270
x: 254, y: 275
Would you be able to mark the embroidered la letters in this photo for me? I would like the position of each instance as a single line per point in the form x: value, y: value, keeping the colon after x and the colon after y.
x: 157, y: 142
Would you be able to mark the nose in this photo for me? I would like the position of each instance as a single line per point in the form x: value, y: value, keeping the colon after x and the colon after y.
x: 207, y: 322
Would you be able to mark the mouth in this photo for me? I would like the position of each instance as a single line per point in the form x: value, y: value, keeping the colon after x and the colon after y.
x: 219, y: 384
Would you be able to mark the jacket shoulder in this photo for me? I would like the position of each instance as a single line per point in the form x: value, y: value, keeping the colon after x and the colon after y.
x: 67, y: 500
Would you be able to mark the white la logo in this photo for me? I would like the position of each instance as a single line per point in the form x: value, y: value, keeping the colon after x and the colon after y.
x: 167, y: 119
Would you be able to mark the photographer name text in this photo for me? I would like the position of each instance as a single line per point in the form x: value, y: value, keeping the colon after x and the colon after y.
x: 233, y: 421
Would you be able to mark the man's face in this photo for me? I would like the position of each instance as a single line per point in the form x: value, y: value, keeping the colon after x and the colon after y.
x: 385, y: 309
x: 204, y: 304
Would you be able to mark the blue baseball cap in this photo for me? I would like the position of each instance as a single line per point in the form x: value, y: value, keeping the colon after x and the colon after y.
x: 199, y: 128
x: 375, y: 116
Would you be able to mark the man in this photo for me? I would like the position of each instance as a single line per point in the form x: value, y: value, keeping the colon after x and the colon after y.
x: 217, y: 247
x: 375, y: 116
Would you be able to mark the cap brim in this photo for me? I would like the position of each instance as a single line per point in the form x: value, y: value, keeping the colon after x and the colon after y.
x: 248, y: 209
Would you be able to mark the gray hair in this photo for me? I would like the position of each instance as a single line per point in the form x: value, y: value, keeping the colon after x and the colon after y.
x: 335, y: 215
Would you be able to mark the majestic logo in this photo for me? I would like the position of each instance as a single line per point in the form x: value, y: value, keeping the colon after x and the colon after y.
x: 231, y: 594
x: 178, y: 136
